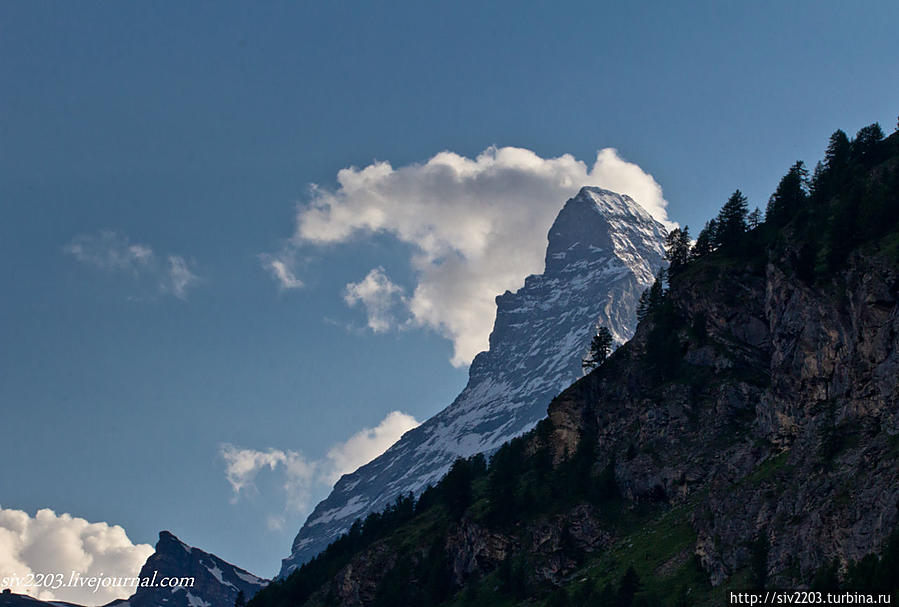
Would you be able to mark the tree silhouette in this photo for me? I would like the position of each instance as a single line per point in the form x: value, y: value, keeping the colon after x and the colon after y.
x: 643, y: 305
x: 789, y: 197
x: 657, y: 291
x: 600, y: 347
x: 837, y: 155
x: 677, y: 249
x: 732, y: 221
x: 754, y: 219
x: 864, y: 147
x: 817, y: 181
x: 705, y: 242
x: 836, y: 165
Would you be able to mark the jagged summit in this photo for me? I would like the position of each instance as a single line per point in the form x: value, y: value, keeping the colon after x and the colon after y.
x: 603, y: 250
x: 216, y: 582
x: 595, y: 221
x: 612, y: 204
x: 168, y: 541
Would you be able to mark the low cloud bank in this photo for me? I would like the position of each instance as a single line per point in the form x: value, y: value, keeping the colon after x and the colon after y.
x: 50, y: 543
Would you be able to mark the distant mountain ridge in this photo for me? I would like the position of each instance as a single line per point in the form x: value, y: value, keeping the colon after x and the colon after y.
x: 603, y: 251
x: 216, y: 583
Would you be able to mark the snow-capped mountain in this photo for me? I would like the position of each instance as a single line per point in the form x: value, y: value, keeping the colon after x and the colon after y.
x: 604, y: 250
x: 216, y: 582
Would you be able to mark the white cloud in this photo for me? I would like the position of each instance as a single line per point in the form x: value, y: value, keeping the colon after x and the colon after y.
x: 381, y: 298
x: 110, y: 250
x: 61, y: 543
x: 367, y: 444
x: 477, y: 226
x: 300, y: 475
x: 113, y: 251
x: 281, y: 271
x: 275, y: 523
x: 242, y: 465
x: 179, y: 277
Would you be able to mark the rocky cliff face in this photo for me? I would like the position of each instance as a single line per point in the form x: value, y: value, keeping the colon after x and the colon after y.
x: 472, y: 551
x: 754, y: 419
x: 603, y: 252
x: 829, y: 417
x: 779, y: 424
x: 746, y: 437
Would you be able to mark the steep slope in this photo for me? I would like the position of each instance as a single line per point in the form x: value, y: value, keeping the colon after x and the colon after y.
x: 216, y: 583
x: 746, y: 437
x: 603, y: 251
x: 763, y: 452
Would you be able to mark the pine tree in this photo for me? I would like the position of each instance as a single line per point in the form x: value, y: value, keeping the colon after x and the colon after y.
x: 843, y: 233
x: 732, y: 221
x: 456, y: 487
x: 836, y: 165
x: 817, y: 181
x: 643, y: 305
x: 789, y: 197
x: 600, y: 347
x: 677, y: 249
x: 837, y: 155
x: 656, y: 293
x: 754, y: 219
x: 705, y: 242
x: 865, y: 148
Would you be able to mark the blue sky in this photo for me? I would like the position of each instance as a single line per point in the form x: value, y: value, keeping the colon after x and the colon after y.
x: 189, y: 135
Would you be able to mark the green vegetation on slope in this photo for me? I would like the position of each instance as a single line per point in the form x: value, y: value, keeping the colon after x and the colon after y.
x: 849, y: 204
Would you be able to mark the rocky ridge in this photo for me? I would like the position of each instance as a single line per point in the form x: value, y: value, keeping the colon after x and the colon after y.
x: 767, y: 446
x: 603, y: 251
x: 216, y: 583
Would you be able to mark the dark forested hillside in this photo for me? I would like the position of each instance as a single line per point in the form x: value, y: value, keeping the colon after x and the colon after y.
x: 747, y: 437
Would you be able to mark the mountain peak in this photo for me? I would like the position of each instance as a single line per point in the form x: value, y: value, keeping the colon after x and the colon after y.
x: 216, y: 583
x: 603, y: 251
x: 595, y: 222
x: 169, y: 541
x: 608, y: 202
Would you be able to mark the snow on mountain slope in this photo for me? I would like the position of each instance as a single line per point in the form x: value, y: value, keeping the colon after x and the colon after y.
x: 604, y: 249
x: 216, y: 583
